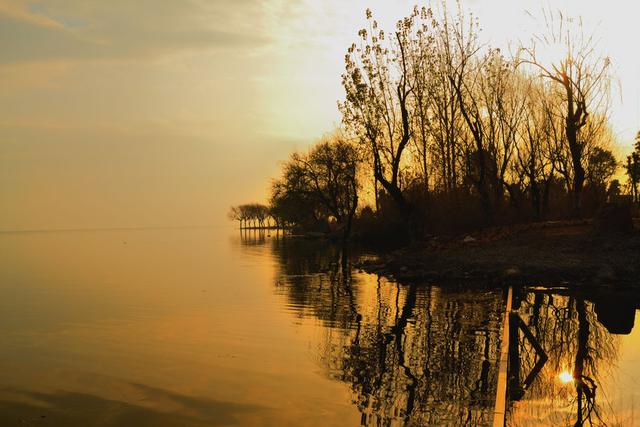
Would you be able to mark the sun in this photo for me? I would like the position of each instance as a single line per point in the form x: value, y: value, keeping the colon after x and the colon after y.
x: 565, y: 377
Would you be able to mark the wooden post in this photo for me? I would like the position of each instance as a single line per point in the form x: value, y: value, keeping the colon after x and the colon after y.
x: 500, y: 412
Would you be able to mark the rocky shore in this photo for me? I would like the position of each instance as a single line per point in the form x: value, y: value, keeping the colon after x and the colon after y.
x: 546, y: 254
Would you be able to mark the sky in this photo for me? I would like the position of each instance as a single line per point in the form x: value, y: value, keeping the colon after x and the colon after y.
x: 164, y: 113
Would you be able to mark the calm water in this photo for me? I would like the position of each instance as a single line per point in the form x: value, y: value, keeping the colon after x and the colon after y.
x: 198, y: 327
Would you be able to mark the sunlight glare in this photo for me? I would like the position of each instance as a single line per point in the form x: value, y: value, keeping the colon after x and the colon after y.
x: 565, y: 377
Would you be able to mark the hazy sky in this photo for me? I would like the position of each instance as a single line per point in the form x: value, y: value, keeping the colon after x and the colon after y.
x: 163, y: 113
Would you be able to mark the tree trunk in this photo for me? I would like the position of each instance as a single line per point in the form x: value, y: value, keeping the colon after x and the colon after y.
x: 578, y: 184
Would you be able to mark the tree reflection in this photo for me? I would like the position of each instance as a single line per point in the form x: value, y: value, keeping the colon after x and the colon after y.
x: 425, y: 355
x: 253, y: 236
x: 576, y: 343
x: 411, y: 355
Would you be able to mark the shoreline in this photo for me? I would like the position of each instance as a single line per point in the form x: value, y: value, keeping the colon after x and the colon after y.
x: 549, y: 254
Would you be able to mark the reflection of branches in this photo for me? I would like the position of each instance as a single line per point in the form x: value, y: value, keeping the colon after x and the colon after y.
x: 575, y: 342
x: 422, y: 355
x: 585, y: 385
x: 412, y: 355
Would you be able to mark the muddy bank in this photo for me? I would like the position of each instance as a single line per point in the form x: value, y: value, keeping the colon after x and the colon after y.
x: 546, y: 254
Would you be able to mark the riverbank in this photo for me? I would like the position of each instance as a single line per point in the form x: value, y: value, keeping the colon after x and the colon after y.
x: 550, y: 254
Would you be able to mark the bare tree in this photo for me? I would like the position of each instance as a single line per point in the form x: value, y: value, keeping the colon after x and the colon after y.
x: 235, y: 214
x: 376, y: 106
x: 446, y: 131
x: 533, y: 165
x: 254, y: 212
x: 582, y: 76
x: 461, y: 36
x: 503, y: 104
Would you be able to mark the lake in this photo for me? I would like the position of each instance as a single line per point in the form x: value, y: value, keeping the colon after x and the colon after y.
x: 208, y: 327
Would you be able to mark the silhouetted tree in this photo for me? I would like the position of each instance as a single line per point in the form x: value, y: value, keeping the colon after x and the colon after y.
x: 319, y: 185
x: 461, y: 38
x: 455, y: 134
x: 260, y: 213
x: 534, y: 165
x: 254, y: 212
x: 633, y: 169
x: 235, y: 214
x: 601, y: 166
x: 582, y: 77
x: 376, y: 109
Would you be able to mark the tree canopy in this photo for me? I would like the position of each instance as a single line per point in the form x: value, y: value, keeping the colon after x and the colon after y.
x: 319, y: 186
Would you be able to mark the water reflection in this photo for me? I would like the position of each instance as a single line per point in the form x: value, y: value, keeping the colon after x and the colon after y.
x: 187, y: 328
x: 426, y: 355
x: 175, y: 327
x: 154, y: 407
x: 581, y: 351
x: 616, y: 313
x: 411, y: 355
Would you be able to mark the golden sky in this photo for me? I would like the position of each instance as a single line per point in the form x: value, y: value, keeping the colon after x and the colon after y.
x: 163, y: 113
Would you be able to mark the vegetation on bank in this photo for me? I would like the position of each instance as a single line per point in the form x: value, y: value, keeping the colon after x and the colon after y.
x: 252, y: 215
x: 443, y: 133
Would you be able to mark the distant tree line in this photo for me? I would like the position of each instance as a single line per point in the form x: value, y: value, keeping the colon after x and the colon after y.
x: 450, y: 133
x: 318, y: 190
x: 252, y: 215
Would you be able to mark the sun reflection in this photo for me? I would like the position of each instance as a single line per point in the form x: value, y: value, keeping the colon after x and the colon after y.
x: 565, y: 377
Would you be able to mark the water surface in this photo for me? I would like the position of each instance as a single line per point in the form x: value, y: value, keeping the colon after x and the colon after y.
x: 204, y: 327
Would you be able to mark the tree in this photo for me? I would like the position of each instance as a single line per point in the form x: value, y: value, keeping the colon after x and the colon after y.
x: 249, y: 212
x: 503, y: 106
x: 291, y: 202
x: 582, y: 78
x: 376, y: 109
x: 633, y: 169
x: 533, y: 165
x: 235, y: 214
x: 332, y: 167
x: 260, y: 213
x: 602, y: 165
x: 466, y: 79
x: 242, y: 214
x: 446, y: 132
x: 614, y: 190
x: 319, y: 186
